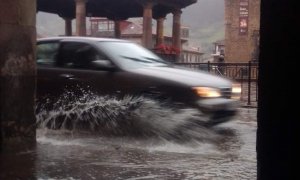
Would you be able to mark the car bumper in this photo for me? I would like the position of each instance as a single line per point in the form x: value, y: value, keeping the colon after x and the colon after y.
x: 219, y: 110
x: 218, y: 104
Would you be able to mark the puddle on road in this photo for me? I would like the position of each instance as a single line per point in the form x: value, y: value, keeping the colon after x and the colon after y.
x: 138, y: 138
x: 98, y: 157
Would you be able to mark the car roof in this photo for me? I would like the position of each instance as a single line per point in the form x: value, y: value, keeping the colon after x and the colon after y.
x: 79, y: 38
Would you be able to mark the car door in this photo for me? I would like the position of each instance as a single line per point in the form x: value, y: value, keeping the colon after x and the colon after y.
x: 77, y: 72
x: 47, y: 80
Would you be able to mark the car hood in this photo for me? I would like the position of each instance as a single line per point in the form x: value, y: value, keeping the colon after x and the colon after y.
x: 185, y: 76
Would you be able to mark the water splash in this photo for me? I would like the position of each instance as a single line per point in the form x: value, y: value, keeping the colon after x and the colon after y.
x: 131, y: 116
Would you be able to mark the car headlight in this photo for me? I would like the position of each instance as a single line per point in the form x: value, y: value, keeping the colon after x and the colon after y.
x: 207, y: 92
x: 236, y: 91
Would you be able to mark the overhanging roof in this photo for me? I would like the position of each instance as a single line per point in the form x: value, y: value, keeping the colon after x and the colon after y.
x: 112, y: 9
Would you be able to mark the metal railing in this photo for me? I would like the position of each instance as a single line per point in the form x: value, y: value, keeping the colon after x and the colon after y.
x: 245, y: 73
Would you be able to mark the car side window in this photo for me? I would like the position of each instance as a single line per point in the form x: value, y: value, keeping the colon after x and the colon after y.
x: 46, y: 53
x: 78, y: 55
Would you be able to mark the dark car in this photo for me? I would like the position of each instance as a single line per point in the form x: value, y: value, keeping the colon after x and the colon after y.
x: 118, y: 68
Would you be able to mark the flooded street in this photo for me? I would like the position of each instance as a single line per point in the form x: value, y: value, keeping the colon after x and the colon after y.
x: 226, y: 151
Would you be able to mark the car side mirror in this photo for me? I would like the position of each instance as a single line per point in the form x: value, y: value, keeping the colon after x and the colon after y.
x: 102, y: 65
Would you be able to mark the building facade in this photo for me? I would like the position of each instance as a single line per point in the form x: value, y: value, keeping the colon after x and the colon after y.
x: 102, y: 27
x: 219, y: 51
x: 242, y: 23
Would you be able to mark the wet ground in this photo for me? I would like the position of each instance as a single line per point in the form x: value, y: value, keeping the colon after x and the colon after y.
x: 226, y: 151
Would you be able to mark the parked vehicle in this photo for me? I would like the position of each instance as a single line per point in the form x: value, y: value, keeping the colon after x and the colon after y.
x: 118, y: 68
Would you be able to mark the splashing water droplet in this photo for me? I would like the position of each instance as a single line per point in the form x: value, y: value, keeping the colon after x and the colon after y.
x: 130, y: 116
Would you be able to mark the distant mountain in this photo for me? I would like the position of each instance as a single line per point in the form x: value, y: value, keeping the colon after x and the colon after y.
x: 204, y: 18
x: 206, y: 21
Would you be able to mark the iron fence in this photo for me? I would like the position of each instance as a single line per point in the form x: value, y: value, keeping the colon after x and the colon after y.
x: 245, y: 73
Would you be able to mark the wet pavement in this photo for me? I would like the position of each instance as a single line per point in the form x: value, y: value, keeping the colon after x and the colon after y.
x: 226, y: 151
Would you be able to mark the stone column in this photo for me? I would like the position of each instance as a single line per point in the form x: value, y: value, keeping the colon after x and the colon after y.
x: 68, y: 26
x: 80, y: 17
x: 176, y: 35
x: 160, y: 31
x: 147, y: 25
x: 17, y: 75
x: 277, y: 138
x: 117, y: 29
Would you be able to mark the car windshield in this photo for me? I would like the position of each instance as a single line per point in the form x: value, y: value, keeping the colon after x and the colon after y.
x: 131, y: 55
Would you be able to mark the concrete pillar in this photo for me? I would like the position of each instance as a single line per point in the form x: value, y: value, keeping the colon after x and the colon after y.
x: 80, y: 17
x: 277, y: 137
x: 17, y: 75
x: 117, y: 29
x: 160, y: 31
x: 147, y: 25
x: 176, y: 35
x: 68, y: 26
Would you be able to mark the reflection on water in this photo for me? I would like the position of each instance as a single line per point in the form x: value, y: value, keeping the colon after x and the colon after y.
x: 137, y: 138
